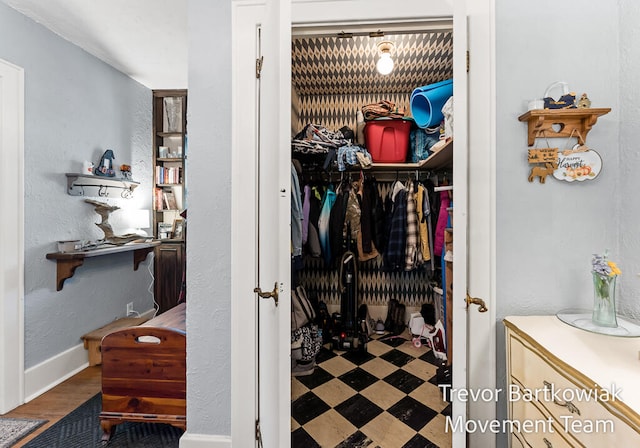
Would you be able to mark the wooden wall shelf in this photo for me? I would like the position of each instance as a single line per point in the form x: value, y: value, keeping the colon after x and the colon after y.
x: 553, y: 123
x: 68, y: 262
x: 76, y: 183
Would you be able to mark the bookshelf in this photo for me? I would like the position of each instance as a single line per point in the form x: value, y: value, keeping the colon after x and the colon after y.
x: 169, y: 194
x: 170, y: 153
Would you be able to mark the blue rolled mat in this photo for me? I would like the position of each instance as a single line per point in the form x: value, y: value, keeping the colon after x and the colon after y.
x: 427, y: 102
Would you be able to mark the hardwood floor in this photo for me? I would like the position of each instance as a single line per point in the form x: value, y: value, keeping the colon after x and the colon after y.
x: 59, y: 401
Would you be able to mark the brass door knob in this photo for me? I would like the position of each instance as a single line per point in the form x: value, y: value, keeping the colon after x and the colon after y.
x: 476, y: 301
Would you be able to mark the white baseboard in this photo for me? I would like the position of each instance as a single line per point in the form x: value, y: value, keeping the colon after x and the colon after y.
x: 189, y: 440
x: 48, y: 374
x: 149, y: 314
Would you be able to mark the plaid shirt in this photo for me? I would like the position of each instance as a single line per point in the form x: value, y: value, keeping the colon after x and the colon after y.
x: 412, y: 256
x: 394, y: 256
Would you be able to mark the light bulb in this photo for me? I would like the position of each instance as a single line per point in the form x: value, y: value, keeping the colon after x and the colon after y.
x: 385, y: 64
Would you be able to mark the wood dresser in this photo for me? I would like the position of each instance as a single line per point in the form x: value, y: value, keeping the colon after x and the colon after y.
x: 567, y: 387
x: 144, y: 373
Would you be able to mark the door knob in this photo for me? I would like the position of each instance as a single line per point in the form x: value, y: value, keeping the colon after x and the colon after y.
x: 476, y: 301
x: 268, y: 295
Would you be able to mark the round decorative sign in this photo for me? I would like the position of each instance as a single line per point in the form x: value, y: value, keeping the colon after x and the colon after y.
x: 579, y: 164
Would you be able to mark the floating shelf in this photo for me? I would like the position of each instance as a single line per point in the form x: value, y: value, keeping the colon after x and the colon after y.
x: 553, y: 123
x: 76, y: 184
x: 68, y: 262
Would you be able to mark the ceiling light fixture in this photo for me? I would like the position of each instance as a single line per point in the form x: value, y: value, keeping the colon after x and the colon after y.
x: 385, y: 63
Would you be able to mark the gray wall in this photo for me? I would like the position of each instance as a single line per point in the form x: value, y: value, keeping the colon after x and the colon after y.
x: 546, y: 234
x: 627, y: 198
x: 75, y: 107
x: 209, y: 246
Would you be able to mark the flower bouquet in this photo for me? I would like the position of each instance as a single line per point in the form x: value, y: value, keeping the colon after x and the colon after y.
x: 604, y: 272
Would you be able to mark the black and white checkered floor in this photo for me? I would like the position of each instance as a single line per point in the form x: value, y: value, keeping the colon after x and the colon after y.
x: 387, y: 397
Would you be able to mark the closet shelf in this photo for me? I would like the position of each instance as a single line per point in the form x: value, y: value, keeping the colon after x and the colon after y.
x: 440, y: 159
x: 554, y: 123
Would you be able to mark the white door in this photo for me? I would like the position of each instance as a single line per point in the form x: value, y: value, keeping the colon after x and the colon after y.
x: 261, y: 198
x: 266, y: 154
x: 11, y: 237
x: 480, y: 168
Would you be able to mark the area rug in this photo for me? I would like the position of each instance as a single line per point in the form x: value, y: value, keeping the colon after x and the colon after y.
x: 14, y: 429
x: 81, y: 429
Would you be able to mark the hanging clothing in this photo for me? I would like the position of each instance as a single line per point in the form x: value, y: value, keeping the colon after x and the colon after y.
x: 296, y: 214
x: 352, y: 223
x: 352, y: 215
x: 441, y: 225
x: 336, y: 222
x: 313, y: 246
x: 366, y: 217
x: 306, y: 205
x: 394, y: 260
x: 424, y: 222
x: 378, y: 228
x: 323, y: 225
x: 413, y: 256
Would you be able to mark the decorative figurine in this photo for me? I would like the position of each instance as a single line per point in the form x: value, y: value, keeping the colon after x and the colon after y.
x: 126, y: 171
x: 584, y: 102
x: 105, y: 166
x: 542, y: 172
x: 104, y: 210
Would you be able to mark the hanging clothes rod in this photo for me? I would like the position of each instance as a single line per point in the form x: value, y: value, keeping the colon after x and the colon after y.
x: 444, y: 188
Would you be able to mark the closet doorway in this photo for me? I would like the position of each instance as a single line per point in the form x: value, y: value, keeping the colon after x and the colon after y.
x: 264, y: 33
x: 385, y: 394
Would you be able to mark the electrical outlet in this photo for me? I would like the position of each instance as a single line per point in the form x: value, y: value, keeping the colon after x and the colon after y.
x: 129, y: 308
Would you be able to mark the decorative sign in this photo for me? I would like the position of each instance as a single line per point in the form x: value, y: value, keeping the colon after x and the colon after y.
x: 543, y: 155
x: 579, y: 164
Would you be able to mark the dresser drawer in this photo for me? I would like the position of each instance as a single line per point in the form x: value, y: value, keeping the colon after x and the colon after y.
x: 590, y: 415
x: 536, y: 429
x: 517, y: 440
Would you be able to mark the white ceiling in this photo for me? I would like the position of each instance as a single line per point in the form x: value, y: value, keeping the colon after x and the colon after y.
x: 145, y: 39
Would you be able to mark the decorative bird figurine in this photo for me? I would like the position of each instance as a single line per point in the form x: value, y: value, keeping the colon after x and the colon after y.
x: 105, y: 166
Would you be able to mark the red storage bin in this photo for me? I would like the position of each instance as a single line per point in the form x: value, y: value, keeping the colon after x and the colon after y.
x: 387, y: 140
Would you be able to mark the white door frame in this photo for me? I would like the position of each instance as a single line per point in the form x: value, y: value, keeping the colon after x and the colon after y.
x: 482, y: 142
x: 11, y: 236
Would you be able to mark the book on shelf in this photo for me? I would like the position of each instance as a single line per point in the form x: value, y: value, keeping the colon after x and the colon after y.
x: 170, y: 200
x: 158, y: 199
x: 168, y: 175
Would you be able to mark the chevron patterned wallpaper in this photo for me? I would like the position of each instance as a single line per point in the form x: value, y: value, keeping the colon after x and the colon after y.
x: 335, y: 111
x: 375, y: 286
x: 334, y: 77
x: 335, y: 66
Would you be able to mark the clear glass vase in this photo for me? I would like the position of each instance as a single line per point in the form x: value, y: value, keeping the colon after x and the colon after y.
x: 604, y: 300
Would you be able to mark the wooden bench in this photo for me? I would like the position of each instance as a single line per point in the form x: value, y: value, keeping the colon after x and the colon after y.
x: 93, y: 340
x: 144, y: 373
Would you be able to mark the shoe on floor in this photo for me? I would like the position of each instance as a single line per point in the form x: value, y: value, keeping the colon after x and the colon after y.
x: 303, y: 369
